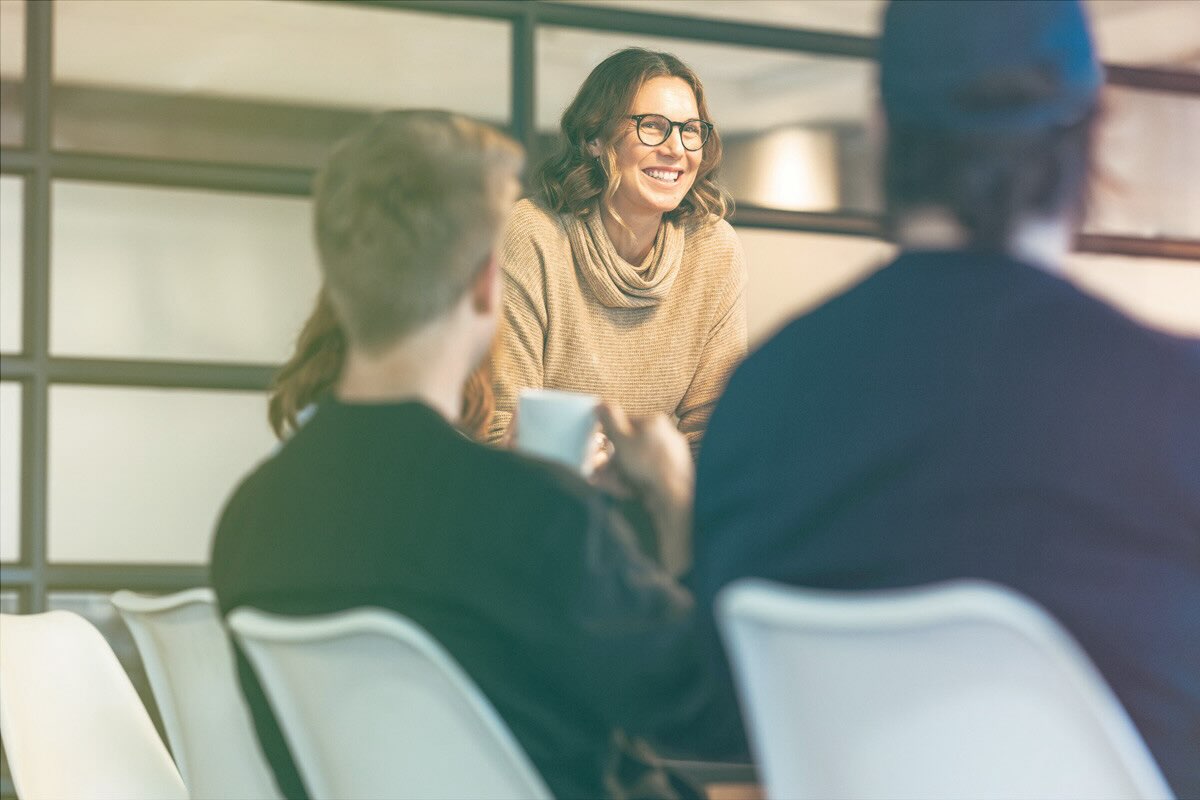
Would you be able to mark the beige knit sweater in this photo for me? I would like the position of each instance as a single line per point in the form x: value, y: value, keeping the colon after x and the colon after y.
x: 662, y: 336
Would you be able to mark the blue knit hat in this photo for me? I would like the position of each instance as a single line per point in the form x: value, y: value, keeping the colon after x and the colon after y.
x: 935, y: 52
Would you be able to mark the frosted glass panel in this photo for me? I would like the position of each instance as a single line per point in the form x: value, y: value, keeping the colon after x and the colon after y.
x: 261, y: 80
x: 798, y: 129
x: 167, y: 274
x: 10, y: 471
x: 12, y: 38
x: 791, y: 273
x: 11, y: 235
x: 1149, y: 165
x: 1161, y: 293
x: 12, y: 71
x: 141, y: 475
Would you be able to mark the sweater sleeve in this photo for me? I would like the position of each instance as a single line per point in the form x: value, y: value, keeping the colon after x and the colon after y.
x: 629, y: 636
x: 517, y: 360
x: 724, y: 348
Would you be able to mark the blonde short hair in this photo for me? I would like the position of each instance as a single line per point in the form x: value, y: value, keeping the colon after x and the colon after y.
x: 406, y: 211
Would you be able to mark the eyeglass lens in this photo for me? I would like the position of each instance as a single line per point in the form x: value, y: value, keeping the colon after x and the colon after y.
x: 654, y: 129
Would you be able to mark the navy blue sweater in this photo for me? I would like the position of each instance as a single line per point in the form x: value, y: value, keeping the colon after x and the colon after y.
x: 965, y: 415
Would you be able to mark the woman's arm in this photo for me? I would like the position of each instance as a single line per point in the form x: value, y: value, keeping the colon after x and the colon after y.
x: 630, y: 646
x: 652, y: 459
x: 724, y: 348
x: 517, y: 359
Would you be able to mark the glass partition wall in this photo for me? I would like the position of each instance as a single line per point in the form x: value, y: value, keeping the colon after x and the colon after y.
x: 155, y: 260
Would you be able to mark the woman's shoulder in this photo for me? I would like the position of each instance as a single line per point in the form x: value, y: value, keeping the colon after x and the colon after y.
x: 712, y: 232
x: 713, y: 242
x: 530, y: 219
x: 532, y: 236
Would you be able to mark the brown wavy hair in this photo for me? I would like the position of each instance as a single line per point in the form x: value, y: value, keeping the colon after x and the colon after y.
x: 571, y: 180
x: 405, y: 210
x: 317, y: 361
x: 311, y: 371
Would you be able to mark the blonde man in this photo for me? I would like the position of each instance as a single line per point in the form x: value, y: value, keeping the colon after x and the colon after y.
x: 519, y: 569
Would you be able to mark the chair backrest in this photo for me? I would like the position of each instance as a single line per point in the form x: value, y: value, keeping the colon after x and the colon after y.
x: 190, y: 663
x: 73, y: 725
x: 964, y: 689
x: 372, y: 707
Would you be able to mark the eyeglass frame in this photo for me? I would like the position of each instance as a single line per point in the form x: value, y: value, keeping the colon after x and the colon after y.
x: 707, y: 127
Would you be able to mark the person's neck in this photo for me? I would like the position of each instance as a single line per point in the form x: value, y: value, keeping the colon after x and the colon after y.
x: 633, y: 239
x: 930, y: 229
x: 1041, y: 241
x: 429, y: 365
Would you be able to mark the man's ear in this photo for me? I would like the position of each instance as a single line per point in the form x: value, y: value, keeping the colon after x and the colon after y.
x: 485, y: 288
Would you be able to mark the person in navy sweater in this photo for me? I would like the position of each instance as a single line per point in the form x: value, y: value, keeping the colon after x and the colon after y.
x: 967, y: 412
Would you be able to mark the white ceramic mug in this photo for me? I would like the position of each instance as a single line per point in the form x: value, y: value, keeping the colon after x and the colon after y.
x: 557, y: 426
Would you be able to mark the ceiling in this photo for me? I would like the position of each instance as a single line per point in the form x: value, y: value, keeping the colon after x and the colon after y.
x: 339, y: 56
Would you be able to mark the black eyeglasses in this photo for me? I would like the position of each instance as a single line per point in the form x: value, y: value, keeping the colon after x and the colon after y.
x: 654, y: 129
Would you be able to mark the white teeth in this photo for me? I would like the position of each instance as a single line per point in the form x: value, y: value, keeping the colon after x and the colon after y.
x: 663, y: 175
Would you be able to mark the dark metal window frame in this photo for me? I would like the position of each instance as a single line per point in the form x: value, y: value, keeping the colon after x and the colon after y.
x: 35, y: 369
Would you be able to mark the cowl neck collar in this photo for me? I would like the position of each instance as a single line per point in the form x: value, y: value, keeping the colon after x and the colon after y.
x: 615, y: 282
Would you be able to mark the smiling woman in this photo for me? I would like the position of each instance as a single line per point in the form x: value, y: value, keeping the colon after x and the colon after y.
x: 622, y: 277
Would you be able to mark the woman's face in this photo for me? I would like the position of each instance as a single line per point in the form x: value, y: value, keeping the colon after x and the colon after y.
x: 654, y: 180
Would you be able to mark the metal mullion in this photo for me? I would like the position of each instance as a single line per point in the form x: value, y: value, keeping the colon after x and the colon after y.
x: 161, y: 374
x: 523, y: 73
x: 39, y: 47
x: 18, y: 581
x: 38, y: 75
x: 744, y: 34
x: 13, y: 576
x: 17, y: 162
x: 487, y: 9
x: 111, y: 577
x: 1137, y: 246
x: 22, y: 592
x: 843, y: 223
x: 1153, y: 80
x: 16, y: 368
x: 135, y: 372
x: 182, y: 174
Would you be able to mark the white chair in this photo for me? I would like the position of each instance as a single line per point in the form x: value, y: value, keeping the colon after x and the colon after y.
x: 372, y: 707
x: 73, y: 725
x: 190, y: 663
x: 956, y: 690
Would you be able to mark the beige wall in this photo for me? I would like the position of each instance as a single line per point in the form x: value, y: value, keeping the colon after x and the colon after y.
x: 1162, y: 293
x: 791, y: 273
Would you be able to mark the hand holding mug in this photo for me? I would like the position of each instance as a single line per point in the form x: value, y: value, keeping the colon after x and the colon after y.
x: 651, y: 459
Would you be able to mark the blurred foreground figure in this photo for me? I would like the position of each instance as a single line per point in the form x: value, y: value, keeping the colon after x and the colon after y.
x: 966, y: 411
x: 518, y: 568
